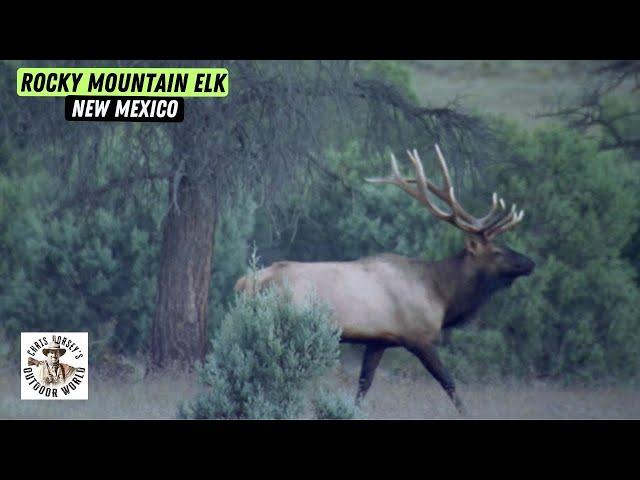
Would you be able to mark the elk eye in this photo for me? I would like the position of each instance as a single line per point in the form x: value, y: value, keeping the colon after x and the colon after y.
x: 497, y: 253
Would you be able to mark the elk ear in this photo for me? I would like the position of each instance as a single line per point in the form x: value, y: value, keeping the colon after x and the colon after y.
x: 472, y: 245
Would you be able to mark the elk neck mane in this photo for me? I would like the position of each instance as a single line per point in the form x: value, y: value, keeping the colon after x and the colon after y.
x: 462, y: 286
x: 459, y: 283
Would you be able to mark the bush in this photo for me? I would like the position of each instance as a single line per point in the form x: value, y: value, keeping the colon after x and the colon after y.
x: 74, y: 272
x: 229, y: 261
x: 336, y: 406
x: 476, y: 354
x: 351, y: 219
x: 575, y: 318
x: 94, y: 270
x: 264, y: 355
x: 95, y: 274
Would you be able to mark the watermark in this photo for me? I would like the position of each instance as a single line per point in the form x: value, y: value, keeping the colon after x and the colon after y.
x: 54, y: 366
x: 138, y: 109
x: 143, y: 82
x: 123, y: 94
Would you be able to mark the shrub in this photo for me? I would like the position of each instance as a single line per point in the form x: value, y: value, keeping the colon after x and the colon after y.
x: 265, y: 353
x: 575, y: 318
x: 336, y: 406
x: 476, y: 354
x: 70, y: 273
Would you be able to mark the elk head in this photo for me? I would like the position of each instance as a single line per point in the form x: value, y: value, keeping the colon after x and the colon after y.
x: 487, y: 258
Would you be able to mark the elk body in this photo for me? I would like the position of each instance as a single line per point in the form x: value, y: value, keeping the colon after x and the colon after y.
x: 393, y: 301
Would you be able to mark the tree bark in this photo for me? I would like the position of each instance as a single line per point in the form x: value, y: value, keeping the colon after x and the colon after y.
x: 179, y: 329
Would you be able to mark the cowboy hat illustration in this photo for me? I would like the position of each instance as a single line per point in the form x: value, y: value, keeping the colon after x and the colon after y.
x: 55, y: 346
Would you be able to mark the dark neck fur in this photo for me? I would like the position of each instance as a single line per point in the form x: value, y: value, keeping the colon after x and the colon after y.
x: 462, y: 287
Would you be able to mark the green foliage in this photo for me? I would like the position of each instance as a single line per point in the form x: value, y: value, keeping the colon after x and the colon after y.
x: 348, y: 219
x: 621, y: 112
x: 95, y: 267
x: 231, y: 249
x: 476, y: 353
x: 72, y: 272
x: 77, y: 275
x: 575, y: 317
x: 392, y: 72
x: 264, y: 355
x: 336, y: 406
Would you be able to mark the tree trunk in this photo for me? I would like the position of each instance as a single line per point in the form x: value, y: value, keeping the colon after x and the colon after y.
x: 179, y: 330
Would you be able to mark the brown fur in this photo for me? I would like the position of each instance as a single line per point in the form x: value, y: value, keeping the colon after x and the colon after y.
x: 390, y: 300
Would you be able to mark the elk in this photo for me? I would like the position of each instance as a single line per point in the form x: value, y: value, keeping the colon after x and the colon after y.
x: 389, y: 300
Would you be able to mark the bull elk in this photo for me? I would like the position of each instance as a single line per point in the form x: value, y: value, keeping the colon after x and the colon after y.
x: 389, y: 300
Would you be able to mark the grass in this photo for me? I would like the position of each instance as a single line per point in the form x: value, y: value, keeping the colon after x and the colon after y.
x: 402, y: 389
x: 392, y: 396
x: 123, y: 400
x: 515, y: 88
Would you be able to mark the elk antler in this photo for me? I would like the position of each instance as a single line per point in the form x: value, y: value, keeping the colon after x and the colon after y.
x: 493, y: 223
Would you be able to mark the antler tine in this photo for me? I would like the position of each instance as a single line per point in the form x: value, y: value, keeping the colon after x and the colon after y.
x: 423, y: 186
x: 492, y: 211
x: 458, y: 216
x: 446, y: 194
x: 396, y: 179
x: 443, y: 167
x: 394, y: 167
x: 455, y: 205
x: 504, y: 226
x: 499, y: 219
x: 493, y: 223
x: 391, y: 179
x: 509, y: 225
x: 421, y: 178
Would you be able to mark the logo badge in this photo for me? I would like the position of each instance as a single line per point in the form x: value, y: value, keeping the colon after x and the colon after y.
x: 54, y: 366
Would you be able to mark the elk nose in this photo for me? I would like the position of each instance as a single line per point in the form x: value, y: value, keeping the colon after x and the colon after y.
x: 528, y: 266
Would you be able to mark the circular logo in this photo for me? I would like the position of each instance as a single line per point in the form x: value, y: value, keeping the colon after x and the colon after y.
x: 54, y: 366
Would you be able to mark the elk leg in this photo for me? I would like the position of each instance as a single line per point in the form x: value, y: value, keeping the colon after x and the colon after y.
x: 430, y: 359
x: 370, y: 361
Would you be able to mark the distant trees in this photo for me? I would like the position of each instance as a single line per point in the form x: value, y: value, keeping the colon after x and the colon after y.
x: 129, y: 229
x: 258, y: 142
x: 609, y: 106
x: 74, y: 272
x: 575, y: 318
x: 609, y: 109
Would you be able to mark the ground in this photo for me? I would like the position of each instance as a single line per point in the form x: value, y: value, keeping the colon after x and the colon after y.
x: 397, y: 393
